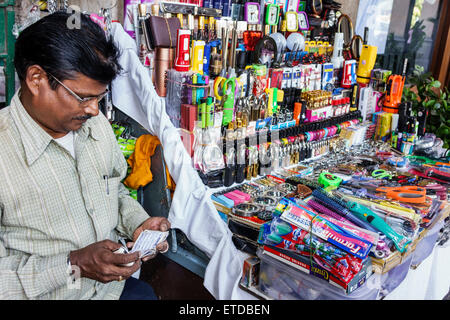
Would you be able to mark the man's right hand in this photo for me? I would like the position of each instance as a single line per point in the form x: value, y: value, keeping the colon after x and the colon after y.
x: 98, y: 262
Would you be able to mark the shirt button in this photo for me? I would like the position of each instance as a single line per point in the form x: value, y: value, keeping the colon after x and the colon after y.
x: 91, y: 211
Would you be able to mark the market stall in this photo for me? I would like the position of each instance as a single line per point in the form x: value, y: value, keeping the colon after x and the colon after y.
x: 314, y: 161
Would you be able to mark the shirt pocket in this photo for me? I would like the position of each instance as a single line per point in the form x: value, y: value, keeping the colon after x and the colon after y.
x: 108, y: 216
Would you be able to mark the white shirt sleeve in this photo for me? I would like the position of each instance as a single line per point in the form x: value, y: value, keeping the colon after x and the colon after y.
x: 192, y: 210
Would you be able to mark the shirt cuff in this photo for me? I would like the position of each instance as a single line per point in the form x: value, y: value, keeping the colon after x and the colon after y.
x: 55, y: 272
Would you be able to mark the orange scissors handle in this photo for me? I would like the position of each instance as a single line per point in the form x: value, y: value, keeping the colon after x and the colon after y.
x: 411, y: 194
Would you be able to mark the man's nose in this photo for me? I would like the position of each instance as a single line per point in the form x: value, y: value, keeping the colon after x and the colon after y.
x: 91, y: 107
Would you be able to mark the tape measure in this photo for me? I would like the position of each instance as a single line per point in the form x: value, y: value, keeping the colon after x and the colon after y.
x: 328, y: 179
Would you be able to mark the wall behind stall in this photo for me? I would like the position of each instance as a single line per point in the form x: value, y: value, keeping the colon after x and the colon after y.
x: 350, y: 8
x: 92, y: 6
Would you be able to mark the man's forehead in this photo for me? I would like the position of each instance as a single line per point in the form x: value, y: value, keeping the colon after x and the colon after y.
x: 86, y: 86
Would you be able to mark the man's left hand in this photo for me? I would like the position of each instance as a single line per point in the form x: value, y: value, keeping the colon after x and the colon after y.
x: 153, y: 223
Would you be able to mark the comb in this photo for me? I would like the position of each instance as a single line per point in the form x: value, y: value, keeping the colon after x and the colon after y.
x: 338, y: 206
x: 309, y: 183
x: 322, y: 209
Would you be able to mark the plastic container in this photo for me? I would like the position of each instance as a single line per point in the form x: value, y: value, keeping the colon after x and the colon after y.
x: 426, y: 245
x: 283, y: 282
x: 390, y: 280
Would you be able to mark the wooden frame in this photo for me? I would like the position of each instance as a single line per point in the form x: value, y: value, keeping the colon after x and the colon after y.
x: 7, y: 41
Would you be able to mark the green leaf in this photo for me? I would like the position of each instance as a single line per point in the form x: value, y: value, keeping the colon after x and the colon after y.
x: 436, y: 84
x: 412, y: 95
x: 430, y: 103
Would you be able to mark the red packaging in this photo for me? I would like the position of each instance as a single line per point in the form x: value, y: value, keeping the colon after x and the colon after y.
x: 188, y: 117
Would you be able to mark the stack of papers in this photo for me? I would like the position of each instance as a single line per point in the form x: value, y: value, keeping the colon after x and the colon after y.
x: 147, y: 241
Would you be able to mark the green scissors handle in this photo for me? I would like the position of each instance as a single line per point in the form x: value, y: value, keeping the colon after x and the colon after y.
x: 381, y: 174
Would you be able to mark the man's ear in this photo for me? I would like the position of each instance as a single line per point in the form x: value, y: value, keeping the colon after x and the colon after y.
x: 35, y: 79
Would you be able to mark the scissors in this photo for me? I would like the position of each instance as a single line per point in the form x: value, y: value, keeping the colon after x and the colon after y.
x: 220, y: 80
x: 410, y: 194
x: 381, y: 174
x: 229, y: 89
x: 421, y: 160
x: 435, y: 173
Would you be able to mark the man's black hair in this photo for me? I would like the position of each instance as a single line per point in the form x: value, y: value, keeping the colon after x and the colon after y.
x: 63, y: 51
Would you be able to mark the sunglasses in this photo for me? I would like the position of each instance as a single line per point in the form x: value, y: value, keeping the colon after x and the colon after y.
x: 82, y: 101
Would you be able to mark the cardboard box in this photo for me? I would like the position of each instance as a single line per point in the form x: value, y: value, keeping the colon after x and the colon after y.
x: 250, y: 272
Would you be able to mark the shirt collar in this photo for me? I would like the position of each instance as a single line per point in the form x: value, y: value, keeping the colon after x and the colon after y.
x: 88, y: 130
x: 34, y: 139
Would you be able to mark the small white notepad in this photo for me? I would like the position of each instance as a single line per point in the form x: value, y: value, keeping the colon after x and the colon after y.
x: 147, y: 241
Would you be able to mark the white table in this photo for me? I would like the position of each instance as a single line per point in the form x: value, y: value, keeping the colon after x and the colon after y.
x: 429, y: 281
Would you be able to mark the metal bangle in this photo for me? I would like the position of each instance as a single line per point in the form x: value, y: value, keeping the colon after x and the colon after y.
x: 266, y: 201
x: 246, y: 209
x: 274, y: 193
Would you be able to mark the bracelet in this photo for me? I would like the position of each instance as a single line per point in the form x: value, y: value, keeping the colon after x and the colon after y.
x: 274, y: 193
x: 265, y: 215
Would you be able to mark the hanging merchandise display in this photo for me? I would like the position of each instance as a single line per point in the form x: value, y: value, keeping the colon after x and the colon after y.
x: 304, y: 141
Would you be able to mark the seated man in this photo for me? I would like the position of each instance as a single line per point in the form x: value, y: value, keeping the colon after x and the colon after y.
x: 62, y: 204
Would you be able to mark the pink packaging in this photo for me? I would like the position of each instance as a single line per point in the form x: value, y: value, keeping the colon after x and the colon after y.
x: 128, y: 14
x: 243, y: 194
x: 235, y: 197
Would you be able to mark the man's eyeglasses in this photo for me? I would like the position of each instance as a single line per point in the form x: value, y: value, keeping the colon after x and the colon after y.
x: 82, y: 101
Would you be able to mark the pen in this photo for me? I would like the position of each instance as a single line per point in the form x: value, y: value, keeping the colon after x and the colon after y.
x: 122, y: 241
x: 105, y: 177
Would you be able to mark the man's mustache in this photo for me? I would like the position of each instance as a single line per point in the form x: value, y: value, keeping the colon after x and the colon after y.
x: 86, y: 117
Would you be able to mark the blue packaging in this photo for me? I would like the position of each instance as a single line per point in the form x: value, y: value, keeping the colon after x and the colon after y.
x: 217, y: 4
